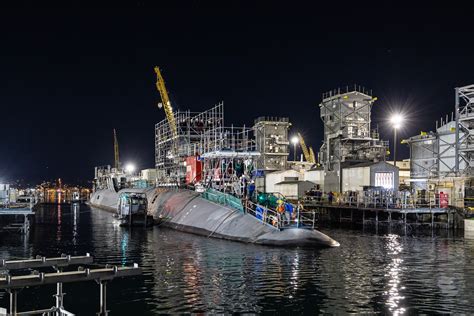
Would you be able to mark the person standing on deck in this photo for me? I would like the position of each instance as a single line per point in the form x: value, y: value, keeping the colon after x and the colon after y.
x: 330, y: 197
x: 251, y: 190
x: 288, y: 212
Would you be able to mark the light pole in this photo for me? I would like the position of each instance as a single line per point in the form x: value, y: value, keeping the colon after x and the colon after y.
x: 396, y: 120
x: 294, y: 141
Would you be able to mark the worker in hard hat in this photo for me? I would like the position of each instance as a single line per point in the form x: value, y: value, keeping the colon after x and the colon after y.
x: 280, y: 208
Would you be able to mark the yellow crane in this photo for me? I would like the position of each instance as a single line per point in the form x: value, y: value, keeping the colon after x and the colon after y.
x: 307, y: 156
x: 116, y: 152
x: 311, y: 153
x: 166, y: 104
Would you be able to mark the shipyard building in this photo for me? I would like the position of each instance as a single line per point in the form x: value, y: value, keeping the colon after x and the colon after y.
x: 199, y: 148
x: 442, y: 160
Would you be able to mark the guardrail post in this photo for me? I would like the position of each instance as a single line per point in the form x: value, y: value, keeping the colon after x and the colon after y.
x: 59, y: 297
x: 13, y: 302
x: 103, y: 299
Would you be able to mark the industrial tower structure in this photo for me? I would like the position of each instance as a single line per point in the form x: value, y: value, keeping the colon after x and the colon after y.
x: 464, y: 116
x: 271, y: 138
x: 348, y: 136
x: 449, y: 151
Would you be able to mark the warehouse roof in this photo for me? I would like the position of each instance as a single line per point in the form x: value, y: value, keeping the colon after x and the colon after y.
x: 366, y: 164
x: 295, y: 182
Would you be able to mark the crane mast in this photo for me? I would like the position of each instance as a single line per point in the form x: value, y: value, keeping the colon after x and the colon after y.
x: 160, y: 85
x: 116, y: 152
x: 307, y: 156
x: 312, y: 155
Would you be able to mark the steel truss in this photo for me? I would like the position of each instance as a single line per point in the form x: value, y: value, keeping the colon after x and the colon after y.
x: 464, y: 113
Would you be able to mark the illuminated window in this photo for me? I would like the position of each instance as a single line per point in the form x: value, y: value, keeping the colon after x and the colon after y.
x: 384, y: 179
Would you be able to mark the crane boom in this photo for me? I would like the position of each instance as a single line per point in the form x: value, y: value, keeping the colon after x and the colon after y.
x: 306, y: 153
x: 160, y: 85
x: 311, y: 153
x: 116, y: 152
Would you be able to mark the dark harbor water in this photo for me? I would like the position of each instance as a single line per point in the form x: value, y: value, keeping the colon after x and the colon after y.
x: 382, y: 273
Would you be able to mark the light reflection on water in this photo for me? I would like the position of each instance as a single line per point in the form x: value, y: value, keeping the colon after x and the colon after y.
x: 369, y: 273
x: 394, y: 270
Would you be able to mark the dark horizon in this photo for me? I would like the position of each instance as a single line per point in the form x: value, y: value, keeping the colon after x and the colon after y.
x: 72, y: 75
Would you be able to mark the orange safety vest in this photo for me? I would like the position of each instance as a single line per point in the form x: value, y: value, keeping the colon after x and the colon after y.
x: 281, y: 208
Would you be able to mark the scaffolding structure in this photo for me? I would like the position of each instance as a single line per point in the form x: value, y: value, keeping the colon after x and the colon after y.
x: 448, y: 152
x: 464, y: 116
x: 348, y: 136
x: 172, y: 149
x: 227, y: 153
x: 271, y: 137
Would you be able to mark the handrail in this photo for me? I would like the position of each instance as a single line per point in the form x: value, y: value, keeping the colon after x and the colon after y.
x: 383, y: 199
x: 279, y: 221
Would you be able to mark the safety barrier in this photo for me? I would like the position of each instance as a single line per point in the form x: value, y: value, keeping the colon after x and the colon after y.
x: 301, y: 218
x: 223, y: 199
x: 383, y: 199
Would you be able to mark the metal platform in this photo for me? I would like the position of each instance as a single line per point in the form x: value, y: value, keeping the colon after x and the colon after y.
x: 14, y: 283
x: 22, y: 227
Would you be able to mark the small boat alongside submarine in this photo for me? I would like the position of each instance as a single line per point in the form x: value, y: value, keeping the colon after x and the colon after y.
x: 189, y: 211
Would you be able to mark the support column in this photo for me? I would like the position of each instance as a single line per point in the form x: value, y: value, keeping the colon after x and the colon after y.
x: 103, y: 299
x: 405, y: 220
x: 59, y: 298
x: 13, y: 302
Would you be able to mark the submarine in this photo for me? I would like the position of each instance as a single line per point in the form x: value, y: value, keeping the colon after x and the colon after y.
x: 187, y: 211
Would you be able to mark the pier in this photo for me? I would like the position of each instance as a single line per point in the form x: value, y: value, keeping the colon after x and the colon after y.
x: 24, y: 212
x: 14, y: 283
x: 386, y: 212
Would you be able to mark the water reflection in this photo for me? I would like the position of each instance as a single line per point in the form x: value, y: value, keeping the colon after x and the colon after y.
x: 182, y: 273
x: 394, y: 271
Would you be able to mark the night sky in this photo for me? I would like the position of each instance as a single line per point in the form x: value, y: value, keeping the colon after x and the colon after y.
x: 71, y: 75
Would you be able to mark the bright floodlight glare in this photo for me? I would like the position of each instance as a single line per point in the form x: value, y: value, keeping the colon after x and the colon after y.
x: 294, y: 140
x: 129, y: 168
x: 396, y: 120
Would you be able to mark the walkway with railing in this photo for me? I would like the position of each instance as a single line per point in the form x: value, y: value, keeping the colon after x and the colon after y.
x: 385, y: 207
x: 277, y: 220
x: 382, y: 200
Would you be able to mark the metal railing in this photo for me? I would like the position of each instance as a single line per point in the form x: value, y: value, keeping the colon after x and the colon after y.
x: 384, y: 199
x: 279, y: 220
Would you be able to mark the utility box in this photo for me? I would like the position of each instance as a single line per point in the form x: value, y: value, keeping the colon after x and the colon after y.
x: 193, y: 169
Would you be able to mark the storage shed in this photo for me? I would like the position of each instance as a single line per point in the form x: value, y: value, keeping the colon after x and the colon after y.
x: 275, y: 177
x: 380, y: 174
x: 293, y: 189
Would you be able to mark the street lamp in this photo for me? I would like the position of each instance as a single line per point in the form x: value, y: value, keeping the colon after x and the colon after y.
x: 294, y: 141
x: 396, y: 120
x: 129, y: 168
